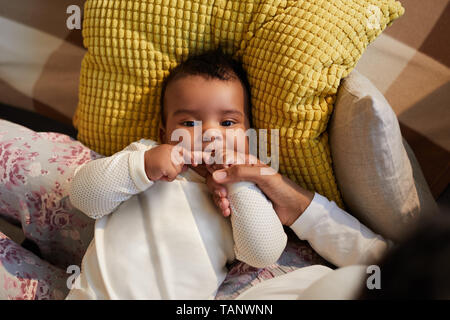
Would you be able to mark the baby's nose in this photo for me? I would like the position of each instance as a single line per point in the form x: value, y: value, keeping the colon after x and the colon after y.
x: 212, y: 138
x: 212, y: 133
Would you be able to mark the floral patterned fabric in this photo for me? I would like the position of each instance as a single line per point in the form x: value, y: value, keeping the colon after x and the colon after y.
x: 241, y: 276
x: 24, y: 276
x: 35, y: 171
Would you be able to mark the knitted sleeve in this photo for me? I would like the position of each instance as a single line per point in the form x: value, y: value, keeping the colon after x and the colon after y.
x: 100, y: 186
x: 259, y: 237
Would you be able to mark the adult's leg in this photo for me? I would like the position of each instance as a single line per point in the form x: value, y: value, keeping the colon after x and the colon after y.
x: 285, y: 287
x: 311, y: 283
x: 24, y: 276
x: 35, y: 172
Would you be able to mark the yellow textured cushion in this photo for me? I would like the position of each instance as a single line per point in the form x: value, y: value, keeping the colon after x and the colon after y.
x: 295, y: 53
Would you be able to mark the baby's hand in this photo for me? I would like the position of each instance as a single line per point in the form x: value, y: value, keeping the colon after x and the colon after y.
x: 165, y: 162
x: 228, y: 158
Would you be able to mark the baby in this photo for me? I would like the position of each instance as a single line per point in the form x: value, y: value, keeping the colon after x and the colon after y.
x: 159, y: 234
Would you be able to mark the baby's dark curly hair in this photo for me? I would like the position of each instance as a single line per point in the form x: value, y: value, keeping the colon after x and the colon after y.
x: 214, y: 64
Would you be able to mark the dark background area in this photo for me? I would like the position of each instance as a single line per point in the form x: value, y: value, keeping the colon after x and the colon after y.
x: 35, y: 121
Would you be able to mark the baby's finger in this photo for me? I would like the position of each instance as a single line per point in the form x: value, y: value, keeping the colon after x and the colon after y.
x: 171, y: 173
x: 208, y: 158
x: 227, y: 212
x: 181, y: 168
x: 216, y: 200
x: 224, y: 204
x: 215, y: 187
x: 196, y: 158
x: 178, y: 156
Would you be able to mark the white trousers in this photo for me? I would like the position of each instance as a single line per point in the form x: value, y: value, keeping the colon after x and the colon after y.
x: 311, y: 283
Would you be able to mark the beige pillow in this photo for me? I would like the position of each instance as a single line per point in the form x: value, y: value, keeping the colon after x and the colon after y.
x: 381, y: 183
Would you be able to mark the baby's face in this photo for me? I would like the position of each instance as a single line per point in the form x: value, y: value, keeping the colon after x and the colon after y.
x: 218, y: 104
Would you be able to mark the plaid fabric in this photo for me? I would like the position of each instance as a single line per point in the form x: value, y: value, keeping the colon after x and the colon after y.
x: 40, y: 58
x: 409, y: 63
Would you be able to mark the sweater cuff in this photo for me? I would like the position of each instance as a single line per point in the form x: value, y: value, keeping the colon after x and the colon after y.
x: 317, y: 209
x: 232, y: 188
x: 137, y: 170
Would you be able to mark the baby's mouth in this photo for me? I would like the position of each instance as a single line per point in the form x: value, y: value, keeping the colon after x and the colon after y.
x: 201, y: 169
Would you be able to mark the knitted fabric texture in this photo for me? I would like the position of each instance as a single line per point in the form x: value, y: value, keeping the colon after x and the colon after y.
x: 87, y: 177
x: 257, y: 231
x: 295, y: 54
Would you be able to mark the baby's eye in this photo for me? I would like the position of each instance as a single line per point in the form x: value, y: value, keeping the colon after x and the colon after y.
x: 227, y: 123
x: 188, y: 123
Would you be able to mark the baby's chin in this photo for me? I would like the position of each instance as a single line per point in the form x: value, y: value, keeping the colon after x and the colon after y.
x: 200, y: 169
